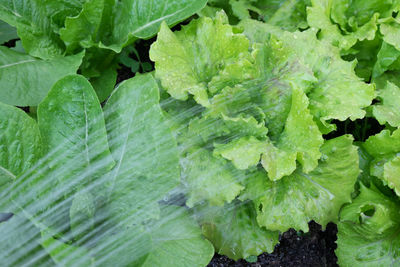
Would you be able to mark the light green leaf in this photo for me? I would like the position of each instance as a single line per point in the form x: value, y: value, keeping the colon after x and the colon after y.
x: 388, y: 108
x: 20, y: 148
x: 369, y: 231
x: 337, y: 93
x: 26, y: 80
x: 204, y: 54
x: 7, y: 32
x: 210, y: 178
x: 356, y: 20
x: 244, y: 152
x: 316, y: 196
x: 143, y: 147
x: 390, y: 28
x: 278, y: 162
x: 290, y: 16
x: 234, y: 231
x: 386, y: 59
x: 384, y: 147
x: 301, y: 134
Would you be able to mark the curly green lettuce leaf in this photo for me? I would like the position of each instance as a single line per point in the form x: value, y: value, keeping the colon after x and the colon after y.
x: 384, y: 147
x: 234, y: 231
x: 387, y: 58
x: 316, y: 196
x: 287, y: 14
x: 301, y: 134
x: 290, y: 16
x: 344, y: 23
x: 143, y: 147
x: 390, y: 29
x: 338, y: 93
x: 31, y: 78
x: 243, y: 152
x: 236, y: 116
x: 210, y: 178
x: 20, y: 148
x: 369, y: 230
x: 386, y: 111
x: 204, y: 54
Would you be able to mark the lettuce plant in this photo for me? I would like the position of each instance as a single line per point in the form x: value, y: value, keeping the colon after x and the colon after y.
x: 258, y: 107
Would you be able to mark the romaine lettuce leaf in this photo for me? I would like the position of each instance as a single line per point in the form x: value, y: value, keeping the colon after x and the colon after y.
x: 26, y: 80
x: 142, y: 145
x: 20, y: 149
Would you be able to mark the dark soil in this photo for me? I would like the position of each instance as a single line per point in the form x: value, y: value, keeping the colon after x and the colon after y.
x: 315, y: 248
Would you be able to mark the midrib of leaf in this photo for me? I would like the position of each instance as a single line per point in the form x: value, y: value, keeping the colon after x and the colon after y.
x: 86, y: 129
x: 17, y: 63
x: 7, y: 172
x: 126, y: 137
x: 151, y: 23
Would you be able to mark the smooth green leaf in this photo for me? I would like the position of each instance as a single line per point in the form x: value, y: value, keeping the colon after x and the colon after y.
x: 7, y: 32
x: 74, y: 136
x: 170, y: 241
x: 142, y: 18
x: 142, y: 146
x: 20, y: 147
x: 26, y: 80
x: 105, y: 83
